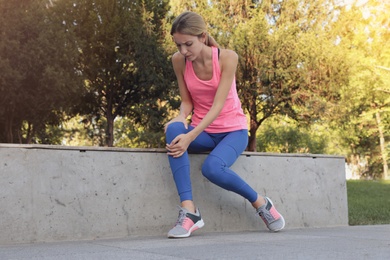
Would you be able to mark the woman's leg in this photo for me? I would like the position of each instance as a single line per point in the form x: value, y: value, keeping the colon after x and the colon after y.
x: 181, y: 166
x: 216, y: 167
x: 189, y: 218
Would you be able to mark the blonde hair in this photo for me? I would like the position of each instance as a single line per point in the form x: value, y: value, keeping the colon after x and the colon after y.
x: 191, y: 23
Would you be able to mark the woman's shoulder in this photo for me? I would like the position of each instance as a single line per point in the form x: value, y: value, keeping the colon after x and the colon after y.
x: 178, y: 57
x: 227, y: 56
x: 178, y: 61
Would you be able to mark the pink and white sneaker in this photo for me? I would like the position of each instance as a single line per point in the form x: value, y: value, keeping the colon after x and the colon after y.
x: 186, y: 224
x: 271, y: 217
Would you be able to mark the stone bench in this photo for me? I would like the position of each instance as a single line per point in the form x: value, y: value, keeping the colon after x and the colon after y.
x: 57, y: 193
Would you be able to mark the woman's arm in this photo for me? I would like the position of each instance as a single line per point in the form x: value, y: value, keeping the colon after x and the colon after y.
x: 186, y: 105
x: 179, y: 65
x: 228, y: 64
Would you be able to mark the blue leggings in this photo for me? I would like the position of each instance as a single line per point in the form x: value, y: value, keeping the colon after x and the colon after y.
x: 225, y: 149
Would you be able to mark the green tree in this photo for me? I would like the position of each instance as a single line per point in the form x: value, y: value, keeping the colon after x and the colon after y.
x: 284, y: 135
x: 121, y: 58
x: 286, y: 65
x: 364, y: 30
x: 38, y: 81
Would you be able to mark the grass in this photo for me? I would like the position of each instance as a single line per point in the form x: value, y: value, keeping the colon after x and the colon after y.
x: 368, y: 202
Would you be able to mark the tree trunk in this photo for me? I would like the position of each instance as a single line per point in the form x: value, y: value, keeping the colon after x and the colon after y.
x: 110, y: 129
x: 252, y: 135
x: 252, y: 140
x: 9, y: 124
x: 9, y: 130
x: 30, y: 133
x: 110, y: 122
x: 382, y: 146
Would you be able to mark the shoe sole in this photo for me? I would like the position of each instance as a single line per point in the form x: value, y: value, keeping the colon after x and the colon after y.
x: 196, y: 226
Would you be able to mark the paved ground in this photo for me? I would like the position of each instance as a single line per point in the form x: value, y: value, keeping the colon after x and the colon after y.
x: 357, y: 242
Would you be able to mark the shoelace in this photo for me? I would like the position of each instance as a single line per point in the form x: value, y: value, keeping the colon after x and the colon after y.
x: 266, y: 215
x: 182, y: 216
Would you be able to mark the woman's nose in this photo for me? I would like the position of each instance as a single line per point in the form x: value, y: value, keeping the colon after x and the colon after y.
x: 183, y: 50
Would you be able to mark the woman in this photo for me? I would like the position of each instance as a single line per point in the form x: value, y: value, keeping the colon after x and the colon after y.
x: 206, y: 79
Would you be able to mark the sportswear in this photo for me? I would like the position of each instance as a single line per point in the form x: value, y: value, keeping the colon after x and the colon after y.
x: 202, y: 92
x: 271, y: 217
x: 186, y: 224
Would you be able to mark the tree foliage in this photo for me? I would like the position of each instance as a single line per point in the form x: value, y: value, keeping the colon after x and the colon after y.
x: 363, y: 117
x: 106, y: 64
x: 124, y: 66
x: 286, y: 64
x: 284, y: 135
x: 37, y: 79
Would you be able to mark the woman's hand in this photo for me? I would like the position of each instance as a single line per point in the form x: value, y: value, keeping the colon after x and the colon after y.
x: 179, y: 145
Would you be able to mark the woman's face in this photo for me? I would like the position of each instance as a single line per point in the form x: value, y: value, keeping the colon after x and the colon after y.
x: 190, y: 46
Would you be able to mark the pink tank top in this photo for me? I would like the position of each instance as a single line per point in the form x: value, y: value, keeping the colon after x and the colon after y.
x: 202, y: 92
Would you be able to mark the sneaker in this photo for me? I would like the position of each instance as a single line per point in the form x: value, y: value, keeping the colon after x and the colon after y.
x: 186, y: 224
x: 271, y: 217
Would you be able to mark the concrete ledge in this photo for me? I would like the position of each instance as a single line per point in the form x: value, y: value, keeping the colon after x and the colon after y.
x: 56, y: 193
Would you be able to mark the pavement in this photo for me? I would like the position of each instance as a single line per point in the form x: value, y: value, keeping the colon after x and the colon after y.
x: 349, y: 242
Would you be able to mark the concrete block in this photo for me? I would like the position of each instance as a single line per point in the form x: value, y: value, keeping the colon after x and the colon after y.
x: 56, y: 193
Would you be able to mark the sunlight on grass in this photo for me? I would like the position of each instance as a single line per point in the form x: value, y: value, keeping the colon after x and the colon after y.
x: 368, y: 202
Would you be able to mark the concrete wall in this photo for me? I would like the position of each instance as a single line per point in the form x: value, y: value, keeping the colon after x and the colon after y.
x: 54, y: 193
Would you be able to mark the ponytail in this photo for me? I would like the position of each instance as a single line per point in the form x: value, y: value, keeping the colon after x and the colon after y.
x: 210, y: 41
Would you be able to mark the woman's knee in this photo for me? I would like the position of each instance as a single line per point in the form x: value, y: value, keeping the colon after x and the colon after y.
x: 174, y: 129
x: 212, y: 168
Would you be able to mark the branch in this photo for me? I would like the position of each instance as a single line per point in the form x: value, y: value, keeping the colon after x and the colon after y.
x: 381, y: 67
